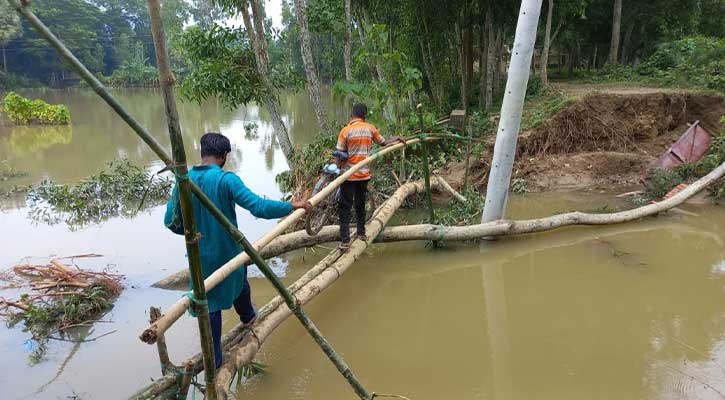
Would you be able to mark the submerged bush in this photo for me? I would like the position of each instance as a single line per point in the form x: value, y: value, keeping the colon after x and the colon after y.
x: 121, y: 189
x: 24, y: 111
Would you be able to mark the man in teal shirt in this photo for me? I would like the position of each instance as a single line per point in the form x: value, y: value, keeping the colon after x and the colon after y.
x: 216, y: 246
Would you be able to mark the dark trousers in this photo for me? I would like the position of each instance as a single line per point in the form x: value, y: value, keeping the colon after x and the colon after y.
x: 352, y: 192
x: 243, y: 307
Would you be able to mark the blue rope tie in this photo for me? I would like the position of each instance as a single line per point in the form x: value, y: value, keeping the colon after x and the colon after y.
x: 194, y: 300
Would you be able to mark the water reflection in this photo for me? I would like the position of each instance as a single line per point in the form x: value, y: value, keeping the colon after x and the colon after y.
x: 26, y: 140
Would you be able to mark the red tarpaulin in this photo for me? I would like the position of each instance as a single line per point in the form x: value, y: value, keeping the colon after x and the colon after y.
x: 690, y: 147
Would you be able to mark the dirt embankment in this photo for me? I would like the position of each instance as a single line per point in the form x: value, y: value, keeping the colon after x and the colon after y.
x: 605, y: 140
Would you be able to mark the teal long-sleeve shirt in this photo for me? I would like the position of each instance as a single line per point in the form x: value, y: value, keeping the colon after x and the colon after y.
x: 216, y: 246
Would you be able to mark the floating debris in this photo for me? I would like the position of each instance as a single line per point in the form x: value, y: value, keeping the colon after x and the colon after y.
x: 58, y: 298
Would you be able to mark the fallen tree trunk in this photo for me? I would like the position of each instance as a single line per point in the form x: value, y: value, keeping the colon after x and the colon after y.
x: 300, y: 239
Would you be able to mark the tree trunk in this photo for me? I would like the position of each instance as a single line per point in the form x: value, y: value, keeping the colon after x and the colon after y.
x: 255, y: 30
x: 490, y: 57
x: 348, y: 41
x: 313, y: 82
x: 5, y: 62
x: 482, y: 52
x: 547, y: 42
x: 504, y: 150
x: 361, y: 33
x: 467, y: 45
x: 461, y: 64
x: 378, y: 67
x: 570, y: 63
x: 627, y: 44
x: 428, y: 69
x: 616, y: 26
x: 499, y: 61
x: 594, y: 57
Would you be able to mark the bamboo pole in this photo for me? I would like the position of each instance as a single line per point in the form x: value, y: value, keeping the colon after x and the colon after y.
x: 166, y: 79
x: 186, y: 380
x: 178, y: 309
x: 426, y: 167
x: 166, y: 366
x: 468, y: 150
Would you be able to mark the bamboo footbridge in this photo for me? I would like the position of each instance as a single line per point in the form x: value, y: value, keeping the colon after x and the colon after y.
x: 241, y: 344
x: 176, y: 163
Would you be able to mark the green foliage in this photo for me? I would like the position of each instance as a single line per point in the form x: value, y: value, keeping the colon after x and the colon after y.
x: 462, y: 213
x: 44, y: 319
x: 9, y: 23
x: 661, y: 182
x: 103, y: 34
x: 22, y: 111
x: 691, y: 62
x: 11, y: 81
x: 535, y: 86
x: 307, y: 161
x: 519, y: 186
x: 385, y: 99
x: 552, y: 101
x: 123, y: 188
x: 251, y: 131
x: 223, y: 65
x: 135, y: 72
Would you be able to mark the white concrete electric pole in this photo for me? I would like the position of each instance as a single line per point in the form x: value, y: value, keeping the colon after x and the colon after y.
x: 513, y: 103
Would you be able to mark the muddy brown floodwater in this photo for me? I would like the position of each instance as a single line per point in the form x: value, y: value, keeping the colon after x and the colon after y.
x: 634, y: 311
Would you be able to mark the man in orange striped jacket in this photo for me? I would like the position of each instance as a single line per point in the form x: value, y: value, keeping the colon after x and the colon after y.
x: 356, y: 139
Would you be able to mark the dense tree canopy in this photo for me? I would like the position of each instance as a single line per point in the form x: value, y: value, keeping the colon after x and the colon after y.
x: 103, y: 34
x: 460, y: 58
